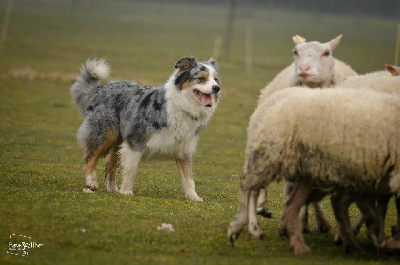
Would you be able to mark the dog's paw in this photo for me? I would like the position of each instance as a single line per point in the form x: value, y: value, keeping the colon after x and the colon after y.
x: 193, y: 197
x: 126, y: 192
x: 112, y: 187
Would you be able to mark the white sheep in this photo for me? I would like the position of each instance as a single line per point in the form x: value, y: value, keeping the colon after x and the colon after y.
x: 315, y: 67
x: 386, y: 82
x: 301, y: 135
x: 381, y: 81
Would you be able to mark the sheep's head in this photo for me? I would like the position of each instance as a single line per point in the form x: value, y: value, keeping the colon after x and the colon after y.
x: 313, y: 61
x: 394, y: 70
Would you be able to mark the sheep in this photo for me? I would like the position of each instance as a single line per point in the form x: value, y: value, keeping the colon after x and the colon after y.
x: 385, y: 82
x: 315, y: 67
x: 300, y: 135
x: 381, y: 81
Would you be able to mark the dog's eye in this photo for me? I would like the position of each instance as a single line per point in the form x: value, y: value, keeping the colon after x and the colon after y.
x: 216, y: 79
x: 201, y: 80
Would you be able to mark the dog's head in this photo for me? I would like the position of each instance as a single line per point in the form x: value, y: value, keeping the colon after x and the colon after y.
x: 198, y: 82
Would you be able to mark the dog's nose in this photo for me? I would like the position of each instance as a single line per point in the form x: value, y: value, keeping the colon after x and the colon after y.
x: 215, y: 89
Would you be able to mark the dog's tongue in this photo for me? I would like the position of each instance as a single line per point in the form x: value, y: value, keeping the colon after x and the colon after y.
x: 205, y: 100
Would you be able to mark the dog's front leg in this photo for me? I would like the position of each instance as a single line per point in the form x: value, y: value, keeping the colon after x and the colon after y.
x: 129, y: 162
x: 185, y: 171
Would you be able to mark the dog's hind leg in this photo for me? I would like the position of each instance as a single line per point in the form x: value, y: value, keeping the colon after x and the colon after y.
x: 129, y: 162
x: 185, y: 172
x: 92, y: 157
x: 111, y: 168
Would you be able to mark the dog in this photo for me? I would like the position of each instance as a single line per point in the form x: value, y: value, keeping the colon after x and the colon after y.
x: 127, y: 122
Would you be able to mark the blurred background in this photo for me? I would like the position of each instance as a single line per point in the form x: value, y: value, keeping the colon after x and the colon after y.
x: 143, y: 39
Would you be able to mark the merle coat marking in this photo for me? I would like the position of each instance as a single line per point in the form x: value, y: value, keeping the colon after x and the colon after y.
x: 126, y: 121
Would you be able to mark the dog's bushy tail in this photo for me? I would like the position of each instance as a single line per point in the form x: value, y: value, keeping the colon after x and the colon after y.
x: 92, y: 71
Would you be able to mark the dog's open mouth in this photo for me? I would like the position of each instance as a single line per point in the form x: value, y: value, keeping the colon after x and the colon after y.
x: 205, y: 99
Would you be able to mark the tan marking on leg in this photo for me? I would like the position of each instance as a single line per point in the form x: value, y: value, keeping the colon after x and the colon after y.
x: 111, y: 169
x: 111, y: 140
x: 185, y: 172
x: 185, y: 167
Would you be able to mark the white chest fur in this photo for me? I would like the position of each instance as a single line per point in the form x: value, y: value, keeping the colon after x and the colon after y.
x: 177, y: 139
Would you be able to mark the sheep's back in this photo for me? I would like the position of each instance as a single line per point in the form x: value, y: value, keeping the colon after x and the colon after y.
x: 381, y: 81
x: 333, y: 136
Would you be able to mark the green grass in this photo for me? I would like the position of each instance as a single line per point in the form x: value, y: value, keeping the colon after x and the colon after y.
x: 41, y: 164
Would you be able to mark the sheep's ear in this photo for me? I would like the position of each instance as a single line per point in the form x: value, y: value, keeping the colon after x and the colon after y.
x: 334, y: 42
x: 186, y: 63
x: 394, y: 70
x: 297, y: 39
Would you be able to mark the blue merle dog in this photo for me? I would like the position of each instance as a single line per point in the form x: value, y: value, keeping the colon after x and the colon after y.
x: 126, y: 122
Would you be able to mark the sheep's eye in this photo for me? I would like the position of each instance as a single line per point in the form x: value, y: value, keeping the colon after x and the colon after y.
x: 327, y: 53
x: 295, y: 52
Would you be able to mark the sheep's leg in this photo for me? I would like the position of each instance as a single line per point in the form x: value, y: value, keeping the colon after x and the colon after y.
x: 323, y: 225
x: 254, y: 226
x: 355, y: 228
x: 298, y: 197
x: 382, y: 206
x: 235, y: 227
x: 357, y: 224
x: 367, y: 206
x: 262, y: 204
x: 303, y: 216
x: 340, y: 204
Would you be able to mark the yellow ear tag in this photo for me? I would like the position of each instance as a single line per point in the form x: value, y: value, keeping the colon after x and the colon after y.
x: 391, y: 69
x: 300, y: 38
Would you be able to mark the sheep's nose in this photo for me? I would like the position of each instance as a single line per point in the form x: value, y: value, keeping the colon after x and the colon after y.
x: 305, y: 68
x: 216, y: 89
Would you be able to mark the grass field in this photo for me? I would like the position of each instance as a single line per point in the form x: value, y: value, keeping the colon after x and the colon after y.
x: 41, y: 163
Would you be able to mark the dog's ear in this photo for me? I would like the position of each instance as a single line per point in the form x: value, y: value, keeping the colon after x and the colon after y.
x: 186, y: 63
x: 213, y: 63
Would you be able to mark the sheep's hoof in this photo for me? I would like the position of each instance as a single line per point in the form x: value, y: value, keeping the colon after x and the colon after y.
x: 264, y: 212
x: 257, y: 235
x: 391, y: 245
x: 299, y: 247
x: 338, y: 239
x: 233, y: 233
x: 232, y: 237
